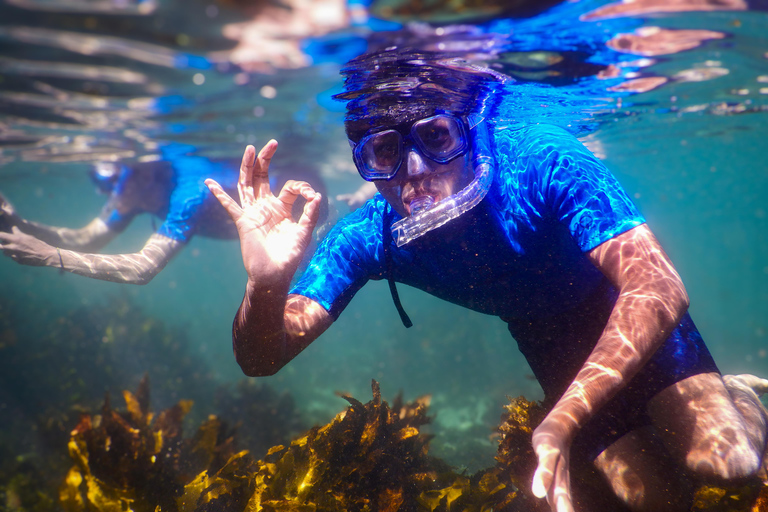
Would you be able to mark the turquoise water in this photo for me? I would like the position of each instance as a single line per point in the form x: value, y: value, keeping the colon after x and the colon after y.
x: 691, y: 153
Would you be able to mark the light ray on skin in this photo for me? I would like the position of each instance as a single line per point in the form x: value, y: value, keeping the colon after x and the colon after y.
x: 697, y: 418
x: 726, y: 426
x: 137, y: 268
x: 652, y: 291
x: 32, y: 243
x: 92, y: 237
x: 710, y: 424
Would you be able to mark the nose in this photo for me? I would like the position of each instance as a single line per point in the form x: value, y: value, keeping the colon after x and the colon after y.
x: 416, y: 163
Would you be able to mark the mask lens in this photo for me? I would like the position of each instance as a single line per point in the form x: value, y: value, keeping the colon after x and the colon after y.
x: 440, y: 137
x: 380, y: 154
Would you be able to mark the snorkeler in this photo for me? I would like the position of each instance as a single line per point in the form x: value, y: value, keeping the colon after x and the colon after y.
x: 170, y: 189
x: 523, y: 223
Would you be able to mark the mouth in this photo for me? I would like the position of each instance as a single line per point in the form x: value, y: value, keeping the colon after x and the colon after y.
x: 420, y: 203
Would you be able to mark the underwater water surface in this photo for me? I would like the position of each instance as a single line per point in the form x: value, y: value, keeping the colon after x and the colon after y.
x: 680, y: 120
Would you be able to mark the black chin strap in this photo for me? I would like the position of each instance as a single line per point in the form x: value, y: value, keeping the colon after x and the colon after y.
x: 387, y: 238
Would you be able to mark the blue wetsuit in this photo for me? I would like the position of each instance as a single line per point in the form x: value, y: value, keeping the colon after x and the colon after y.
x: 520, y: 255
x: 175, y: 192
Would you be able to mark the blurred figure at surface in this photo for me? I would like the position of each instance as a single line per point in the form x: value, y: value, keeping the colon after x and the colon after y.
x: 171, y: 190
x: 645, y: 7
x: 124, y: 7
x: 274, y: 37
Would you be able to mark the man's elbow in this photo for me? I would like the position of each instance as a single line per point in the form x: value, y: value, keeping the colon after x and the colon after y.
x: 144, y: 275
x: 142, y: 279
x: 685, y: 302
x: 682, y: 301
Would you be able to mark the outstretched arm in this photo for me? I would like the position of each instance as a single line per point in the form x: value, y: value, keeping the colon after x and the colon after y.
x: 270, y: 327
x: 137, y: 268
x: 651, y: 302
x: 89, y: 238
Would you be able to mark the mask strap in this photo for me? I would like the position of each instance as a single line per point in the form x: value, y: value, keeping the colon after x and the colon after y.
x: 387, y: 239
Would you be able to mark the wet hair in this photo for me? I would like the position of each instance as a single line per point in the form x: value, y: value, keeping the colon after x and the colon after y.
x: 394, y: 86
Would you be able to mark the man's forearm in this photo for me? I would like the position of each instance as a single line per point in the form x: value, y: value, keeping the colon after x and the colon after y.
x: 90, y: 238
x: 271, y: 328
x: 258, y: 331
x: 651, y: 302
x: 137, y: 268
x: 637, y: 327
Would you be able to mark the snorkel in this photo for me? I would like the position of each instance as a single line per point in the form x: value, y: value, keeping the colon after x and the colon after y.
x: 430, y: 217
x: 106, y: 175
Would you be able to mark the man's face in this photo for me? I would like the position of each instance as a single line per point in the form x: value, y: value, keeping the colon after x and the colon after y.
x: 430, y: 160
x: 422, y: 180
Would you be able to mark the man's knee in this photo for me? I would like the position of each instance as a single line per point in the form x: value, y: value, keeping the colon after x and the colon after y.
x: 728, y: 456
x: 643, y: 475
x: 702, y: 426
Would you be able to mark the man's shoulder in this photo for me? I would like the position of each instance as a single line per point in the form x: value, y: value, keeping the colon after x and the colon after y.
x: 529, y: 137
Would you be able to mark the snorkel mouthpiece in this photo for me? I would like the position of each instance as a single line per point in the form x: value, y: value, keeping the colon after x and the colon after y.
x: 421, y: 203
x: 427, y: 215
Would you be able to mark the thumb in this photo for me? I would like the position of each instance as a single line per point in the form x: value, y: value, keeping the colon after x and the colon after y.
x: 311, y: 212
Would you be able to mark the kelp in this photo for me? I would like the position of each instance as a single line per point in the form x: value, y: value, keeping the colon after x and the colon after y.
x: 745, y: 498
x: 25, y: 490
x: 60, y: 365
x: 516, y: 461
x: 135, y: 460
x: 370, y: 457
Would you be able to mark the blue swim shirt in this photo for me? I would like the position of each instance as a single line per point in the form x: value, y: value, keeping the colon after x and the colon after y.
x: 183, y: 201
x: 519, y: 254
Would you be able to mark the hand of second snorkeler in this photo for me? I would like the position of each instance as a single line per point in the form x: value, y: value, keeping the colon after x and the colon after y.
x: 8, y: 216
x: 27, y: 250
x: 271, y: 242
x: 552, y: 479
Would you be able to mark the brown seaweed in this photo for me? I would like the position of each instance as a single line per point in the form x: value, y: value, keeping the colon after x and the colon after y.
x: 370, y: 457
x: 138, y: 461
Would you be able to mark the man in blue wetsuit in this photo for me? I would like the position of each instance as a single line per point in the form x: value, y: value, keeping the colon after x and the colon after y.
x: 523, y: 223
x: 171, y: 189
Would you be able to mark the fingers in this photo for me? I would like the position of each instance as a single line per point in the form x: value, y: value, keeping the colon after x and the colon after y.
x: 552, y: 479
x: 10, y: 236
x: 262, y: 167
x: 758, y: 385
x: 244, y: 181
x: 291, y: 191
x: 542, y: 480
x: 253, y: 182
x: 229, y: 204
x: 9, y: 243
x: 311, y: 213
x: 560, y: 495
